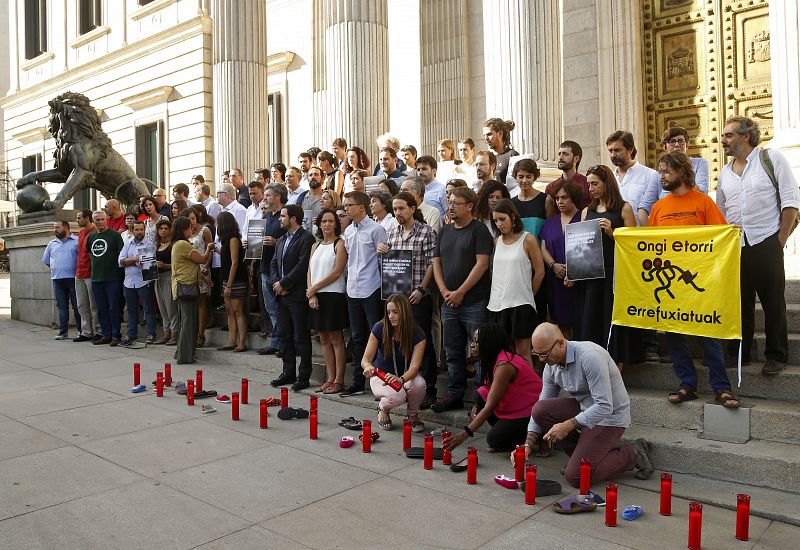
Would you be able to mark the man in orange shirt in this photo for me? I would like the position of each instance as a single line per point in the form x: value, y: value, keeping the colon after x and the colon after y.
x: 685, y: 205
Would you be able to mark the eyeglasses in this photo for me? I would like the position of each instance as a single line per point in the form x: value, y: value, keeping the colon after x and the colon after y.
x: 545, y: 354
x: 455, y: 203
x: 348, y: 205
x: 677, y: 141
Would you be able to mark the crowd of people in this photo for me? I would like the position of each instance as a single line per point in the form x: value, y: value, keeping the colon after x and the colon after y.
x: 489, y: 286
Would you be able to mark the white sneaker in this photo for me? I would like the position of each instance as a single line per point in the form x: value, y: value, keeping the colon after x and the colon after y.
x: 61, y: 336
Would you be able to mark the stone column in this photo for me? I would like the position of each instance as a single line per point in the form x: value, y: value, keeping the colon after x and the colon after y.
x: 523, y: 73
x: 784, y: 18
x: 240, y: 85
x: 354, y: 102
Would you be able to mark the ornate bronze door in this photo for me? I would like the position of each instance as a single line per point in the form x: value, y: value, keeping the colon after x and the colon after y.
x: 705, y: 60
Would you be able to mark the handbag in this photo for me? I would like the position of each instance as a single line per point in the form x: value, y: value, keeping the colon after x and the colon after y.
x: 187, y: 292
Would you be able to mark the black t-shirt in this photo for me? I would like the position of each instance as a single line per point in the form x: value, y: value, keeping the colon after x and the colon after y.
x: 402, y: 363
x: 501, y: 171
x: 458, y: 249
x: 164, y: 256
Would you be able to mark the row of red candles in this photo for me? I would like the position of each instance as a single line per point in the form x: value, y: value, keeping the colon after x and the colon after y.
x: 522, y: 472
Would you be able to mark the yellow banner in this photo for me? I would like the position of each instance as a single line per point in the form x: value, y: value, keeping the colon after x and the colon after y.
x: 681, y: 279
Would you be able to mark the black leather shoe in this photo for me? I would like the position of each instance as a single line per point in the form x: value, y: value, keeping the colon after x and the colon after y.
x: 772, y: 367
x: 82, y: 338
x: 268, y: 351
x: 283, y: 379
x: 279, y: 354
x: 300, y: 385
x: 101, y: 342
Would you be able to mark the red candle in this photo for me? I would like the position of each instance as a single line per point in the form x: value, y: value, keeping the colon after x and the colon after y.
x: 427, y: 452
x: 366, y: 437
x: 159, y: 384
x: 396, y: 385
x: 245, y: 387
x: 263, y: 414
x: 519, y: 463
x: 406, y: 434
x: 190, y: 393
x: 530, y: 484
x: 447, y: 456
x: 235, y: 406
x: 666, y: 494
x: 742, y: 516
x: 695, y: 524
x: 586, y: 475
x: 284, y: 398
x: 198, y: 380
x: 312, y: 424
x: 472, y: 465
x: 313, y: 403
x: 137, y: 370
x: 611, y: 504
x: 168, y: 374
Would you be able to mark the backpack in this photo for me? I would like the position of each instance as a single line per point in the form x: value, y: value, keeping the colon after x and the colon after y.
x: 766, y: 164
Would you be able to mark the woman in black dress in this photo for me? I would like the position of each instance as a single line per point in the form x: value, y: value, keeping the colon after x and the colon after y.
x: 234, y: 283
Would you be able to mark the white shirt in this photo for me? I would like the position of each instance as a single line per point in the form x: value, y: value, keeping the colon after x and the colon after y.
x: 700, y: 167
x: 388, y: 223
x: 750, y: 200
x: 239, y: 212
x: 639, y: 187
x: 431, y: 216
x: 295, y: 195
x: 212, y: 207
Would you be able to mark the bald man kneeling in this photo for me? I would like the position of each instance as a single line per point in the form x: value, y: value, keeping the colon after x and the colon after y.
x: 589, y: 423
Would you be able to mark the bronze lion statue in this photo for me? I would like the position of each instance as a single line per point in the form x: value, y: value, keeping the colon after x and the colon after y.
x: 84, y: 157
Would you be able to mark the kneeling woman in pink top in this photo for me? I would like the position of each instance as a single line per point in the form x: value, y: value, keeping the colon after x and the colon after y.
x: 510, y: 389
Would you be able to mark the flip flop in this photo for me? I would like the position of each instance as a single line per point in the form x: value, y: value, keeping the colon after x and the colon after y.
x: 273, y: 401
x: 460, y: 466
x: 544, y: 487
x: 290, y: 413
x: 351, y: 424
x: 505, y: 481
x: 574, y: 505
x: 632, y: 512
x: 349, y: 420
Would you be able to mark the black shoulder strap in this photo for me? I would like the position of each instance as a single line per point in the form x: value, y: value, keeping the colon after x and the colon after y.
x: 766, y: 164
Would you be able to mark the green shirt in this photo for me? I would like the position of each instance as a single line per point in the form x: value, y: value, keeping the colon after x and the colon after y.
x: 104, y: 249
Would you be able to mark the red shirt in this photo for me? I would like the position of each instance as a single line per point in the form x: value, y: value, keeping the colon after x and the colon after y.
x: 84, y: 267
x: 118, y: 224
x: 581, y: 180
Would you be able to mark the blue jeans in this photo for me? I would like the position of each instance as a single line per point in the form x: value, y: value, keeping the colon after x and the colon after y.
x: 145, y: 295
x: 458, y: 325
x: 684, y: 365
x: 363, y: 314
x: 272, y: 310
x: 64, y: 291
x: 108, y: 298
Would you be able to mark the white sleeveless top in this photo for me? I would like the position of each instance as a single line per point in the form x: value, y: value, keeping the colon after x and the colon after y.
x: 511, y: 276
x: 322, y: 263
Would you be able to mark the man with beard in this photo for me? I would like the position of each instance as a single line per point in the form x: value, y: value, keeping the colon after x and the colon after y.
x: 61, y: 256
x: 485, y: 164
x: 135, y: 288
x: 569, y: 158
x: 685, y: 205
x: 638, y: 184
x: 104, y: 246
x: 90, y: 329
x: 313, y: 199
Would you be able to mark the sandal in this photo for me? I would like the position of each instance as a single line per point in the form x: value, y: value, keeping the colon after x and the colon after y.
x: 727, y: 399
x: 385, y: 424
x: 289, y: 413
x: 201, y: 341
x: 335, y: 387
x: 574, y: 505
x: 239, y: 349
x: 682, y: 395
x: 323, y: 387
x: 375, y: 437
x: 544, y: 450
x: 272, y: 401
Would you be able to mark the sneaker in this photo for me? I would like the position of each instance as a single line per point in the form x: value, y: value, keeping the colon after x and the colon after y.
x: 223, y: 399
x: 61, y: 336
x: 151, y: 339
x: 82, y: 338
x: 448, y: 403
x: 352, y: 389
x: 126, y: 341
x: 417, y: 426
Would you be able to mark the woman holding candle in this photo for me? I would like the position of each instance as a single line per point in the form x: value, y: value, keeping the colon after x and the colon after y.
x: 397, y: 346
x: 505, y: 398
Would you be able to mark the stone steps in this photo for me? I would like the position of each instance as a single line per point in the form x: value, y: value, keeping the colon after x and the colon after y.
x: 792, y: 317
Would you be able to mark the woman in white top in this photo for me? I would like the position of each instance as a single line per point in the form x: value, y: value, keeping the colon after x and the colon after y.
x: 517, y: 273
x: 380, y: 204
x: 127, y: 235
x: 153, y: 217
x: 327, y: 298
x: 200, y: 239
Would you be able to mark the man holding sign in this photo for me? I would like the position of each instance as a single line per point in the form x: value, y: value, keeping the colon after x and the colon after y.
x: 685, y: 205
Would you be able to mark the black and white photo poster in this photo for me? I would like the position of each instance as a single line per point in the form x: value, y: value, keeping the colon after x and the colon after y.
x: 147, y: 259
x: 396, y: 273
x: 584, y: 248
x: 255, y: 239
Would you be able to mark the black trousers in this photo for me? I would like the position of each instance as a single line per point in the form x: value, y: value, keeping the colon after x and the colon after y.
x: 762, y: 274
x: 505, y: 434
x: 296, y: 338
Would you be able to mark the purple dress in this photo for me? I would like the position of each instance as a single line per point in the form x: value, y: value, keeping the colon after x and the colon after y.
x: 560, y: 299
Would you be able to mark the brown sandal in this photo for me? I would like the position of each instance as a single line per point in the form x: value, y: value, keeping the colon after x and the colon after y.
x: 727, y: 399
x: 681, y: 395
x: 335, y: 387
x: 323, y: 387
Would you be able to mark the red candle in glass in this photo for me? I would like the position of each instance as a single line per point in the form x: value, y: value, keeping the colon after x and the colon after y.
x: 472, y: 465
x: 427, y: 453
x: 530, y: 484
x: 159, y: 384
x: 519, y: 463
x: 198, y: 380
x: 312, y: 424
x: 366, y: 437
x: 190, y: 393
x: 235, y: 406
x: 284, y: 398
x: 666, y: 494
x: 406, y: 434
x: 611, y: 504
x: 447, y: 456
x: 168, y: 374
x: 742, y: 516
x: 245, y: 388
x: 137, y: 374
x: 695, y: 524
x: 263, y: 414
x: 313, y: 403
x: 586, y: 475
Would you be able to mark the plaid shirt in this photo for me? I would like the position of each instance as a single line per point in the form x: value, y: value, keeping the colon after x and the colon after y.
x: 422, y: 242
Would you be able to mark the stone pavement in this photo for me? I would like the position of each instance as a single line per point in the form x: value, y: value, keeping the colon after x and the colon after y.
x: 86, y: 464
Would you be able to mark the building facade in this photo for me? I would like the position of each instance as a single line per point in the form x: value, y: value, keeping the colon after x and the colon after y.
x: 189, y: 87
